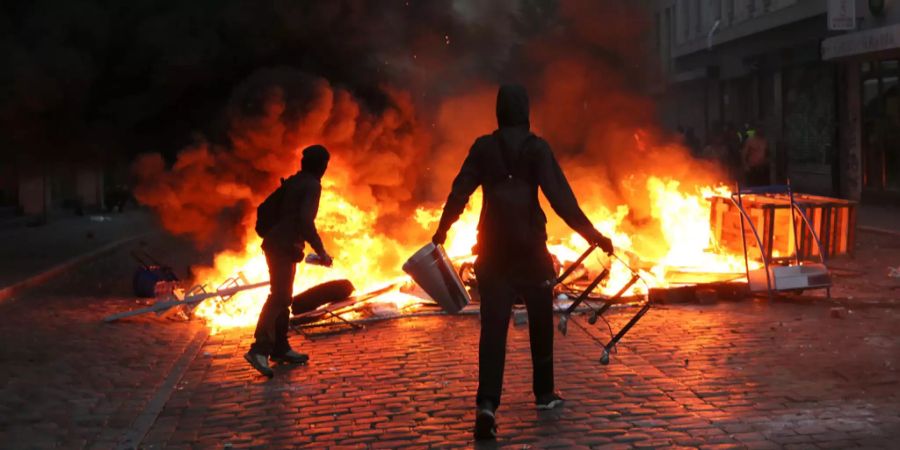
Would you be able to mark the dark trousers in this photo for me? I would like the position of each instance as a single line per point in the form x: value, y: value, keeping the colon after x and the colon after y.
x: 497, y: 297
x: 272, y: 326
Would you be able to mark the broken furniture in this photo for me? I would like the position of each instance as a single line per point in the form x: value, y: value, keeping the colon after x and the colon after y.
x: 563, y: 325
x: 193, y: 296
x: 785, y: 228
x: 432, y: 270
x: 323, y: 308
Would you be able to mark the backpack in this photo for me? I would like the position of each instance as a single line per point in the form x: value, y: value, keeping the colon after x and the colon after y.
x: 511, y: 222
x: 268, y: 213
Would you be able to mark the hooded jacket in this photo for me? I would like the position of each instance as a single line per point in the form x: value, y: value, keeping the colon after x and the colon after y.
x: 510, y: 165
x: 299, y: 208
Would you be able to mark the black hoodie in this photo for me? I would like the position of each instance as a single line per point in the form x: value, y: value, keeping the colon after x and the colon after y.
x: 510, y: 164
x: 299, y: 207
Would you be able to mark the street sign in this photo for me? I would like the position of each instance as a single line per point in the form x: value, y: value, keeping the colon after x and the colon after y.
x: 861, y: 42
x: 841, y: 15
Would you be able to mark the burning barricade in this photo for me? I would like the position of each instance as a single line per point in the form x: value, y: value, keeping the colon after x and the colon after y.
x: 229, y: 310
x: 695, y: 229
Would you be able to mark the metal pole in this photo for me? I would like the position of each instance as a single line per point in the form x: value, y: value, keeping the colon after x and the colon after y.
x: 743, y: 235
x: 572, y: 267
x: 587, y: 291
x: 793, y: 224
x: 604, y: 357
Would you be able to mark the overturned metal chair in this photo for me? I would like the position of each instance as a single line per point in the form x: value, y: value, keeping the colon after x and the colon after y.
x: 595, y: 314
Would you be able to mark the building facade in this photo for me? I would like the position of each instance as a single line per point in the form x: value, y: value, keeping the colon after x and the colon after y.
x: 868, y: 59
x: 766, y: 63
x: 40, y: 190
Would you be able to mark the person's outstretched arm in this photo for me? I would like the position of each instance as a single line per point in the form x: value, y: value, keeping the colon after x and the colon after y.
x: 557, y: 190
x: 306, y: 217
x: 467, y: 180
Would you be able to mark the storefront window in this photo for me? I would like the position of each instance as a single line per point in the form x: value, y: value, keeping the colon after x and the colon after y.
x: 870, y: 93
x: 881, y: 124
x: 865, y: 68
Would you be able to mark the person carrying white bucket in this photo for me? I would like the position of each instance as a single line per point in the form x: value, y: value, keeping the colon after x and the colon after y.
x: 513, y: 262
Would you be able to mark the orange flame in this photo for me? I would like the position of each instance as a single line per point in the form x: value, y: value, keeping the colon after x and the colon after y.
x: 372, y: 260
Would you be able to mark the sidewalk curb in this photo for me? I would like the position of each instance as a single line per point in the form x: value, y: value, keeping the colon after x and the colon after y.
x: 8, y: 292
x: 142, y: 424
x: 878, y: 230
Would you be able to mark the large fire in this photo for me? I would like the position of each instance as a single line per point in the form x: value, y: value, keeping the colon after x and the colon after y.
x: 397, y: 114
x: 684, y: 249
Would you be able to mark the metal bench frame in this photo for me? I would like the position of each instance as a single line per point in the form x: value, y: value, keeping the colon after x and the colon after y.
x: 737, y: 200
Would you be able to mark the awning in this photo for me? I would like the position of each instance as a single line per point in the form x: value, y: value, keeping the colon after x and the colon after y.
x: 861, y: 42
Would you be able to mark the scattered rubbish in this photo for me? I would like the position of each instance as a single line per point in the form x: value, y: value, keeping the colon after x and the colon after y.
x: 151, y: 277
x: 191, y: 297
x: 316, y: 296
x: 894, y: 272
x: 431, y: 269
x: 101, y: 219
x: 385, y: 309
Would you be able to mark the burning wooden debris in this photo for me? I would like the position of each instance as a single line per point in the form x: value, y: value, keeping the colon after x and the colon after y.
x: 585, y: 285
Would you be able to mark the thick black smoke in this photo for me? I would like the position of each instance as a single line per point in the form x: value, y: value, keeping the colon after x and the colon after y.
x: 88, y: 78
x: 224, y: 93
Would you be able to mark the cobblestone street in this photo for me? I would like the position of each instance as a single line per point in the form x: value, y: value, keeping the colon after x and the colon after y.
x: 701, y: 198
x: 745, y: 375
x: 748, y: 374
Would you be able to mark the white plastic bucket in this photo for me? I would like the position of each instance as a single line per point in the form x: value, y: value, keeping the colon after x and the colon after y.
x: 431, y: 269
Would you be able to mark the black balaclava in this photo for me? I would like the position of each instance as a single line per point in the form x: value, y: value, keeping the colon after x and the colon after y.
x: 315, y: 160
x: 512, y: 106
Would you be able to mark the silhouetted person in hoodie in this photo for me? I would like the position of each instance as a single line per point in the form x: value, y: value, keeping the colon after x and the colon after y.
x: 283, y: 246
x: 513, y: 262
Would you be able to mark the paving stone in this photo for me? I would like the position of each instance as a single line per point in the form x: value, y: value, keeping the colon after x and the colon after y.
x: 746, y: 375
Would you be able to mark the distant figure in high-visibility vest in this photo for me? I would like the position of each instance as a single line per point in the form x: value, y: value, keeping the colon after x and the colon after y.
x: 755, y: 158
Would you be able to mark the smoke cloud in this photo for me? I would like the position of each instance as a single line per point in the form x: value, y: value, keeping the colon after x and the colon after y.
x: 224, y: 94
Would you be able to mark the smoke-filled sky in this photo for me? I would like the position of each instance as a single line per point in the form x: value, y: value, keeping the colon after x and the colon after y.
x: 218, y: 96
x: 106, y: 76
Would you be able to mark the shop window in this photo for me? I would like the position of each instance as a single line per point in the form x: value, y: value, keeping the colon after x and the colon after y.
x: 809, y: 108
x: 870, y: 95
x: 881, y: 125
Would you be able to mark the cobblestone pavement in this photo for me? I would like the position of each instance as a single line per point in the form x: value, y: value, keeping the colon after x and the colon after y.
x: 67, y: 380
x: 28, y: 251
x: 739, y: 375
x: 864, y: 277
x: 745, y: 374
